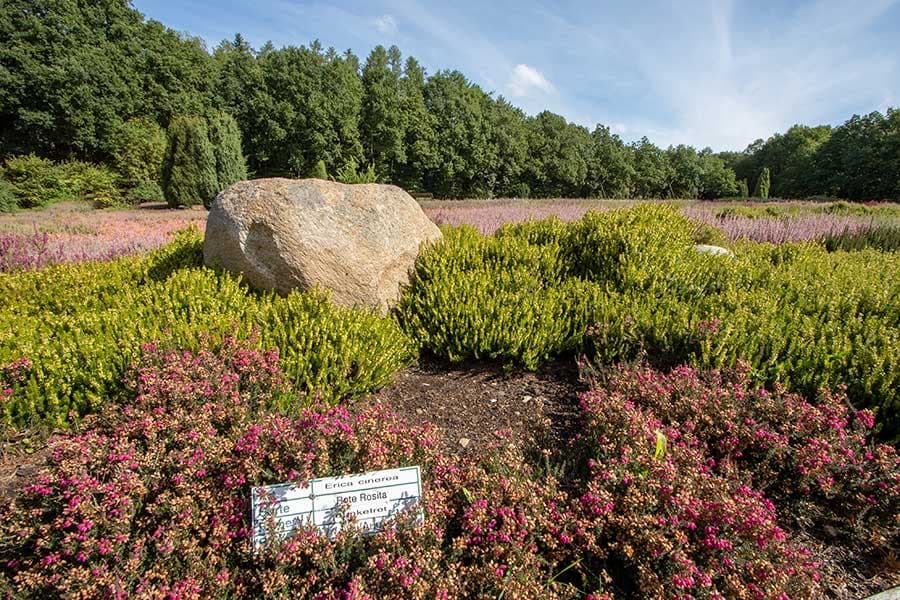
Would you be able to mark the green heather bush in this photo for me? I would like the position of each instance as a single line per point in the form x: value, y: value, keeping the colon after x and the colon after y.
x: 81, y: 325
x: 37, y: 181
x: 879, y: 237
x: 189, y: 168
x: 797, y: 313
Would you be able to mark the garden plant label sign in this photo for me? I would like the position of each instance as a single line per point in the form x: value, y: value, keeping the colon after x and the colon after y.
x: 370, y: 497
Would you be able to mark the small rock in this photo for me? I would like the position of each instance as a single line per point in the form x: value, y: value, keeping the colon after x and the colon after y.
x: 714, y: 250
x: 526, y: 398
x: 419, y: 411
x: 25, y: 471
x: 492, y: 400
x: 464, y: 442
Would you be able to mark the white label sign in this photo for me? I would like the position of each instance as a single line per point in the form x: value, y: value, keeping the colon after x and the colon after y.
x: 370, y: 497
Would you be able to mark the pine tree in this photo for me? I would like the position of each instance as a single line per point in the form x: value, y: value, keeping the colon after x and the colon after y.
x: 225, y: 138
x: 763, y: 184
x: 189, y: 169
x: 743, y: 189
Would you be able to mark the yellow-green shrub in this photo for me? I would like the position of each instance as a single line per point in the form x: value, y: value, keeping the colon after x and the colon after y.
x: 81, y: 325
x: 799, y: 314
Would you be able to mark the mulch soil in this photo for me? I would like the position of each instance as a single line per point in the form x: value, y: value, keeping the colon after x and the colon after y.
x: 473, y: 401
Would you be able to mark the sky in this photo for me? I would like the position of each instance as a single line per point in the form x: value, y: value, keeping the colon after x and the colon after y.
x: 717, y: 73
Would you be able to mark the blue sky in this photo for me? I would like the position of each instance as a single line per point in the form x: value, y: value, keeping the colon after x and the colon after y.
x: 717, y: 73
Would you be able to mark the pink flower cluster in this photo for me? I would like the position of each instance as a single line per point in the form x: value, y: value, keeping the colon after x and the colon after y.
x: 11, y: 375
x: 669, y: 493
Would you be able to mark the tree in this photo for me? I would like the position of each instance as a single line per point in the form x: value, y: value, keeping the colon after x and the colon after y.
x: 509, y: 135
x: 382, y: 120
x: 716, y: 180
x: 651, y: 170
x: 685, y: 172
x: 73, y: 72
x: 559, y: 152
x: 463, y: 147
x: 420, y: 138
x: 743, y: 189
x: 225, y: 139
x: 316, y: 100
x: 610, y: 166
x: 242, y: 91
x: 139, y: 153
x: 762, y: 184
x: 189, y: 169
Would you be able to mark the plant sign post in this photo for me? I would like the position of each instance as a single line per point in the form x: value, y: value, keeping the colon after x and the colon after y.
x: 369, y: 497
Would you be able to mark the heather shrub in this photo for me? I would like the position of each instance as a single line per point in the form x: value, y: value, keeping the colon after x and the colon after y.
x: 153, y: 499
x: 82, y: 324
x: 814, y: 460
x: 878, y: 237
x: 36, y: 181
x: 494, y: 297
x: 798, y: 314
x: 671, y: 526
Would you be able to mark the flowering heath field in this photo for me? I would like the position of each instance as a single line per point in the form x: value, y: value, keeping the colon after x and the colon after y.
x: 34, y: 239
x: 666, y: 498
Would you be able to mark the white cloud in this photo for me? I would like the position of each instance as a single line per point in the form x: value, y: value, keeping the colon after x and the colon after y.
x: 386, y: 24
x: 525, y: 80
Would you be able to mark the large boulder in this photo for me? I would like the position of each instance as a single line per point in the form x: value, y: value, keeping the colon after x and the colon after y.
x: 358, y: 241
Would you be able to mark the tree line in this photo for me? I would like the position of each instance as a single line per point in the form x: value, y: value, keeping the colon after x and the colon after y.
x: 75, y: 75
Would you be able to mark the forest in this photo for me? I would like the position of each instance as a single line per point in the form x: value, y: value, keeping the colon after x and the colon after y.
x: 94, y: 81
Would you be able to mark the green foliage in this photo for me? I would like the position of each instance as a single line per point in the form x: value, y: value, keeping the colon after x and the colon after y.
x: 189, y: 169
x: 82, y: 324
x: 762, y: 185
x: 9, y: 202
x: 611, y: 168
x: 743, y: 189
x: 879, y: 237
x: 800, y: 315
x: 350, y: 173
x: 75, y: 71
x: 94, y: 183
x: 145, y: 192
x: 318, y: 171
x: 382, y: 123
x: 139, y: 153
x: 558, y: 151
x: 37, y: 182
x: 225, y: 138
x: 493, y: 297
